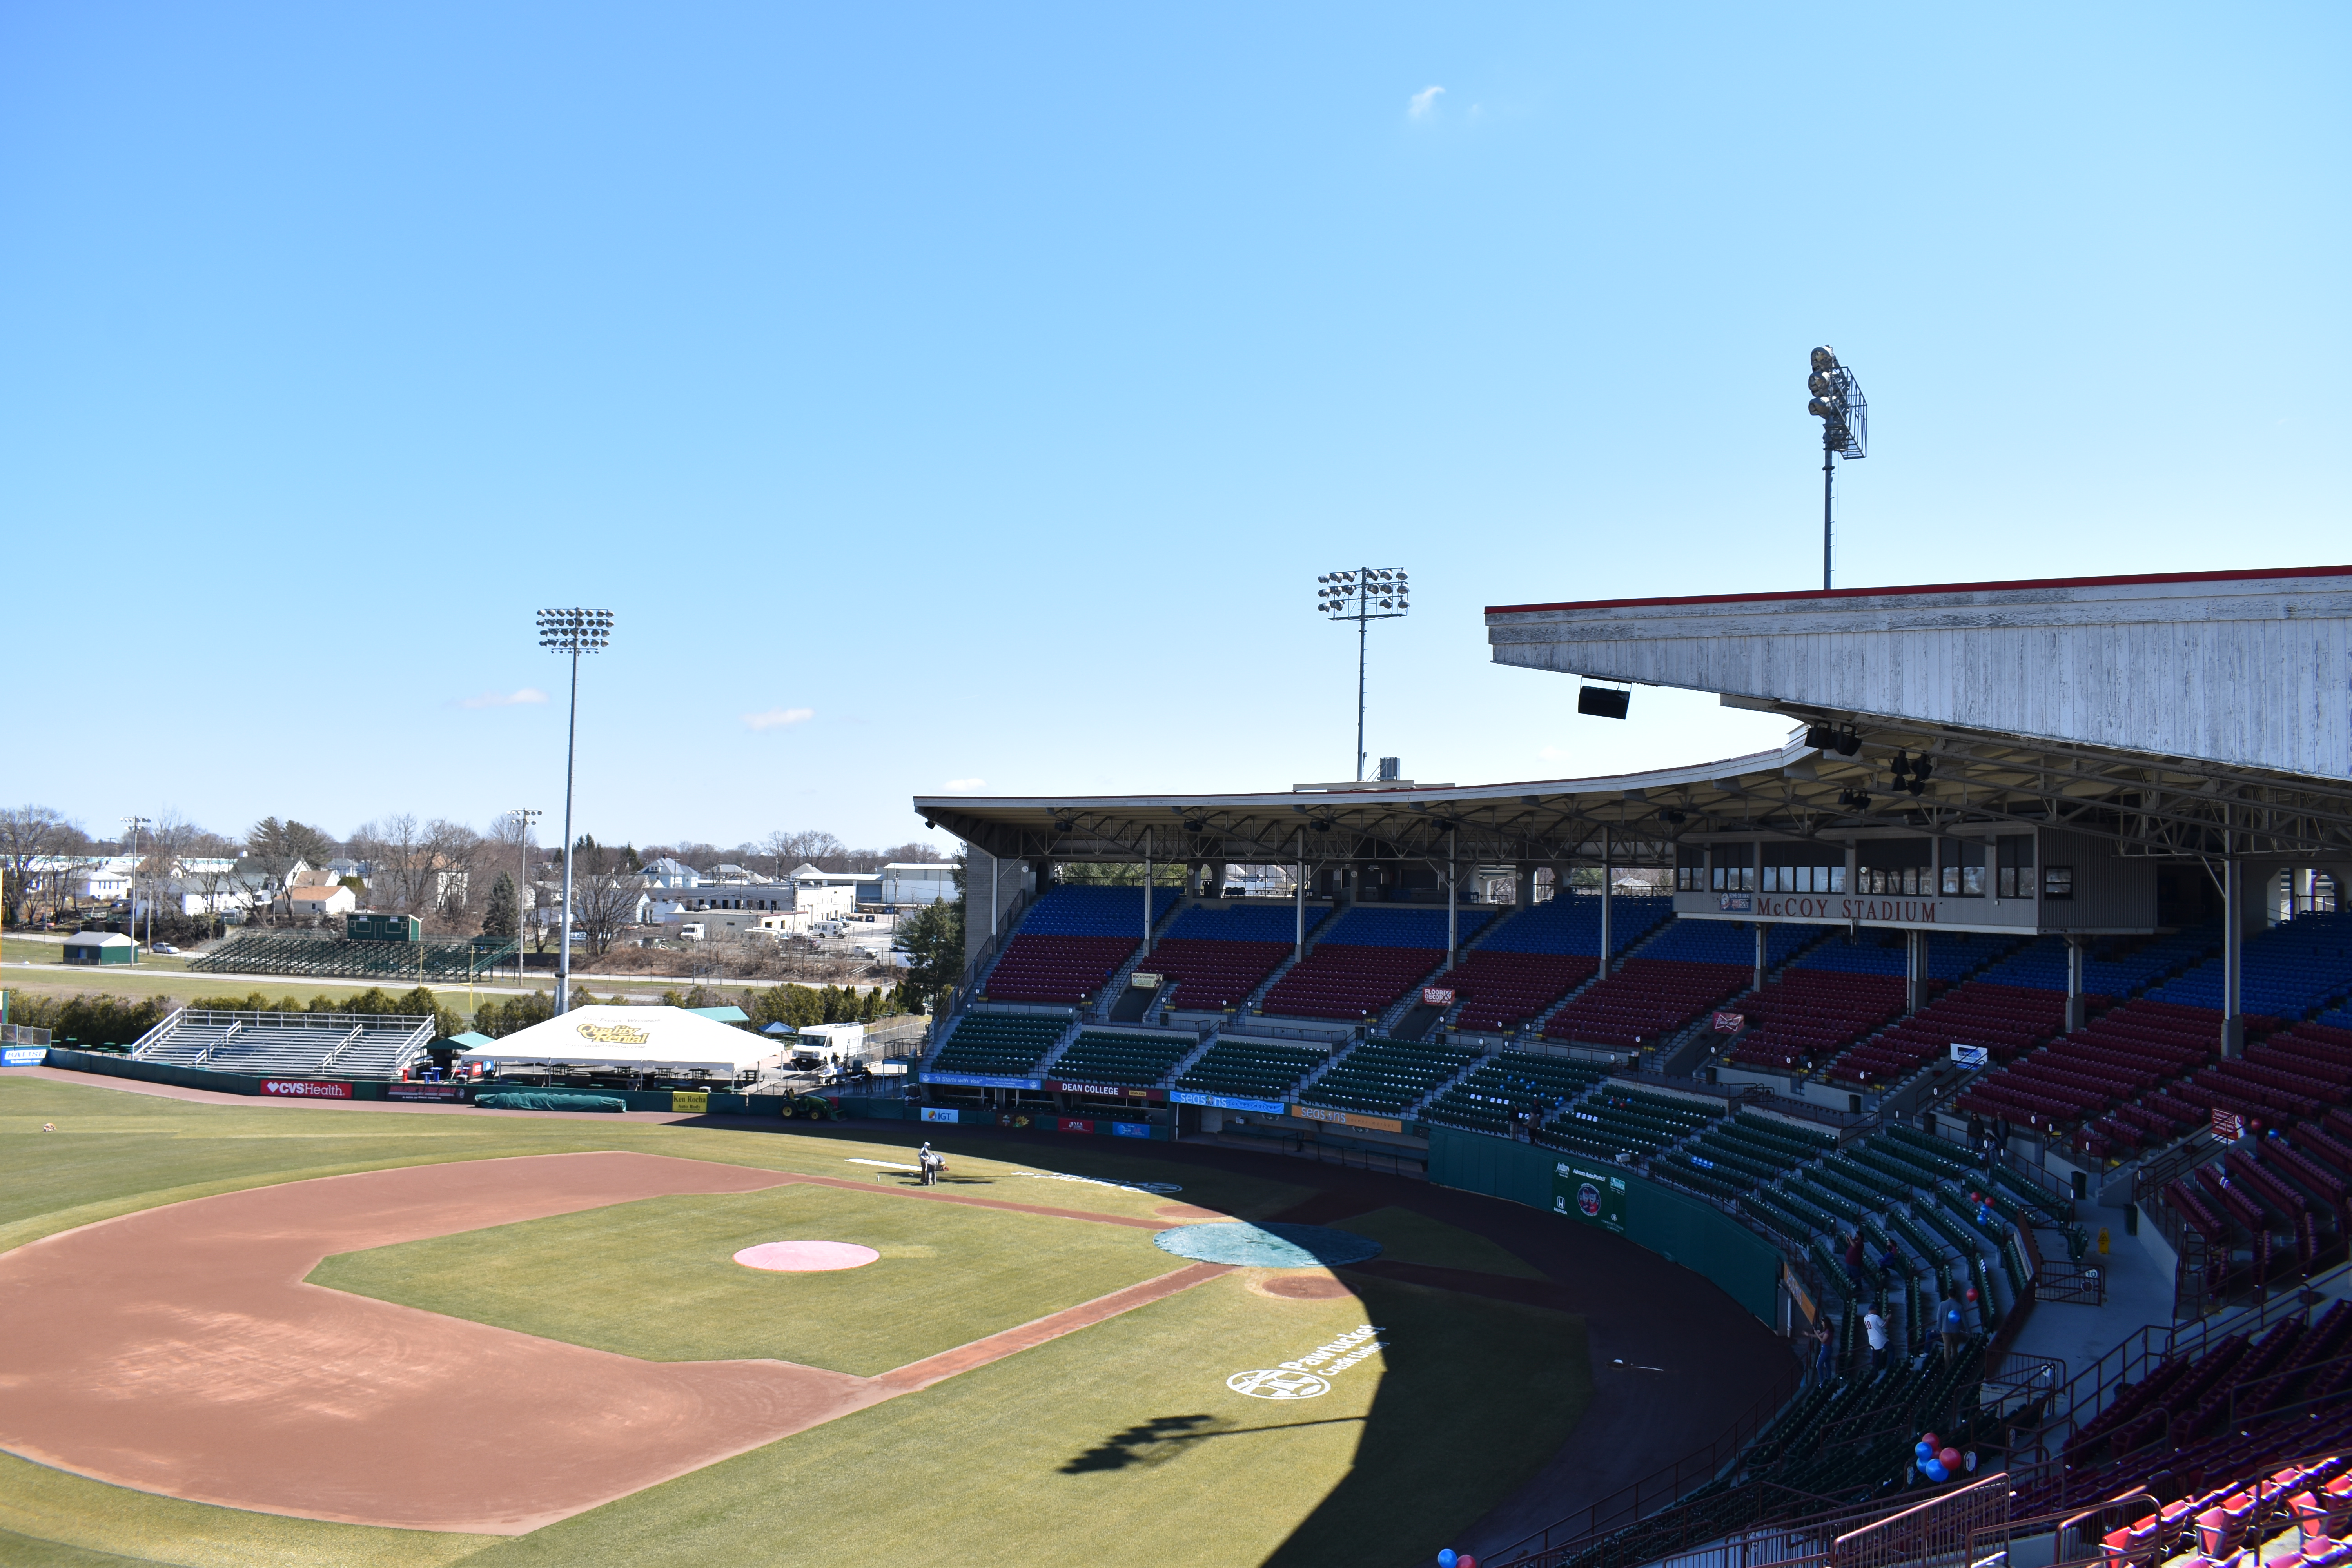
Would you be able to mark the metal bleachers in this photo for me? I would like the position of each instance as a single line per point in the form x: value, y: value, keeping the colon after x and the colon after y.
x: 265, y: 1044
x: 265, y: 954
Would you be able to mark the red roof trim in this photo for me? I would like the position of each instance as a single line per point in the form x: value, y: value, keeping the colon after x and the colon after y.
x: 1929, y: 588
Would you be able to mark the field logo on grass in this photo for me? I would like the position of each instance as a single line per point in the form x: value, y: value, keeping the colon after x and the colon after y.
x: 1308, y: 1377
x: 1163, y: 1188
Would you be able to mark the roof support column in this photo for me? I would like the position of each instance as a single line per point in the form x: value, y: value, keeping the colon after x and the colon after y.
x: 1758, y: 985
x: 1298, y: 947
x: 1608, y: 948
x: 2233, y: 955
x: 1147, y: 892
x: 2077, y: 1010
x: 1916, y: 955
x: 1453, y: 915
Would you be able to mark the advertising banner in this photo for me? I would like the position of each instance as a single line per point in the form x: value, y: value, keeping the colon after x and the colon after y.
x: 1590, y: 1193
x: 1145, y: 982
x: 1730, y: 1023
x: 1132, y: 1129
x: 2227, y: 1127
x: 695, y: 1102
x: 1072, y: 1124
x: 23, y: 1056
x: 1437, y: 995
x: 1227, y: 1102
x: 1347, y: 1119
x: 938, y: 1113
x: 1108, y: 1091
x: 981, y: 1080
x: 1970, y: 1056
x: 306, y: 1089
x: 425, y: 1091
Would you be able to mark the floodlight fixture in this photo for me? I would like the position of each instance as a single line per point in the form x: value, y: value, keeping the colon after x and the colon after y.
x: 1837, y: 402
x: 572, y: 632
x: 1354, y: 600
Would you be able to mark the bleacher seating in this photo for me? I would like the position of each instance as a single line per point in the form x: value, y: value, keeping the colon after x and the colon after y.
x: 1810, y: 1012
x: 1689, y: 967
x: 2115, y: 1062
x: 2290, y: 970
x: 998, y: 1045
x: 2244, y: 1404
x: 1215, y: 957
x: 1071, y: 942
x: 263, y: 952
x: 1250, y: 1068
x: 1383, y: 1078
x: 1539, y: 954
x: 1614, y: 1120
x: 1510, y: 1085
x: 266, y: 1045
x: 1369, y: 959
x: 2006, y: 1020
x: 1111, y: 1056
x: 2114, y: 966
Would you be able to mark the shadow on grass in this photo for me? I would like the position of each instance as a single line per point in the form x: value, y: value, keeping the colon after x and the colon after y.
x: 1161, y: 1438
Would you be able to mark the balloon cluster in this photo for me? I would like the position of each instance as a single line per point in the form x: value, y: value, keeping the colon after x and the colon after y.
x: 1937, y: 1462
x: 1449, y: 1558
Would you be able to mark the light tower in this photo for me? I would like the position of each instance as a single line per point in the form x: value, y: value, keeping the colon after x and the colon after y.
x: 1837, y: 403
x: 572, y: 632
x: 1366, y: 595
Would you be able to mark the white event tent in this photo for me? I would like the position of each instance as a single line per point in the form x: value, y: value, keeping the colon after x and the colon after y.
x: 630, y: 1039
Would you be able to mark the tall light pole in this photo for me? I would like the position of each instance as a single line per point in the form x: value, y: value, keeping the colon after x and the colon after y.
x: 524, y: 817
x: 132, y: 925
x: 1838, y: 404
x: 572, y: 632
x: 1366, y: 595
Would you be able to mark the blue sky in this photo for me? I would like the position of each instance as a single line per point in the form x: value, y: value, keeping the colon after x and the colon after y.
x: 946, y: 397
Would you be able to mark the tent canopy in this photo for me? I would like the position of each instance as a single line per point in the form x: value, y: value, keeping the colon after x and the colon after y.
x: 642, y: 1040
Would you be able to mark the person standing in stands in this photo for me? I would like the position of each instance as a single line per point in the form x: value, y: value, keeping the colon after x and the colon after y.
x: 1853, y: 1259
x: 1954, y: 1325
x: 1824, y: 1367
x: 1876, y: 1327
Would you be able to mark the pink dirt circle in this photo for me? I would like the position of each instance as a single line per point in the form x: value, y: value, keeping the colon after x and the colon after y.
x: 805, y: 1257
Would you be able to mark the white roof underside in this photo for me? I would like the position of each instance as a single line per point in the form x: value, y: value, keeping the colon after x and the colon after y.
x: 650, y: 1040
x: 2247, y: 669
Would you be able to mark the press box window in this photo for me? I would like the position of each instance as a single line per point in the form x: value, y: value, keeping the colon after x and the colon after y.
x: 2015, y: 852
x: 1963, y: 869
x: 2058, y: 881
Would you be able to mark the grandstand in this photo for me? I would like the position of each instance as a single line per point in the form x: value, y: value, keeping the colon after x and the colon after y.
x: 998, y: 1044
x: 268, y: 1045
x: 1214, y: 956
x: 1130, y: 1060
x: 2120, y: 884
x: 1365, y: 960
x: 273, y: 953
x: 1071, y: 942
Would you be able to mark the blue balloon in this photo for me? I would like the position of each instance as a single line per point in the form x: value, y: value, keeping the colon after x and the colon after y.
x: 1925, y: 1450
x: 1447, y: 1559
x: 1935, y: 1471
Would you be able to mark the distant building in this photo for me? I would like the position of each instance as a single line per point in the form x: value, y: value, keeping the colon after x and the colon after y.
x: 311, y: 899
x: 100, y: 947
x: 916, y: 883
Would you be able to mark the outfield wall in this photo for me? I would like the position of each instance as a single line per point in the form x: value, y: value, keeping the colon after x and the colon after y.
x: 1678, y: 1228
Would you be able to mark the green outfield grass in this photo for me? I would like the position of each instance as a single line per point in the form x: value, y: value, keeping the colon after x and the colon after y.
x: 654, y: 1278
x: 1118, y: 1445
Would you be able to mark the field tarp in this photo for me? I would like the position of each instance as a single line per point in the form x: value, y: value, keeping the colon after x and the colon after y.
x: 1679, y: 1228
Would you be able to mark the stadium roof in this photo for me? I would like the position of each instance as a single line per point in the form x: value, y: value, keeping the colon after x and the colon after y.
x: 2180, y: 715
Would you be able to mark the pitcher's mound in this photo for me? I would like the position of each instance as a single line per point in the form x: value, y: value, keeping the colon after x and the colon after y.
x: 805, y: 1257
x: 1303, y: 1288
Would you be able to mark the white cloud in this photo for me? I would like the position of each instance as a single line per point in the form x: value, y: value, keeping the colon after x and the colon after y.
x: 963, y: 786
x: 1553, y: 753
x: 504, y: 698
x: 777, y: 718
x: 1423, y: 104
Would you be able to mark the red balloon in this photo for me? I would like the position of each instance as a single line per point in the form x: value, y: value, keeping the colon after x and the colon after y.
x: 1972, y: 1292
x: 1929, y: 1438
x: 1951, y: 1458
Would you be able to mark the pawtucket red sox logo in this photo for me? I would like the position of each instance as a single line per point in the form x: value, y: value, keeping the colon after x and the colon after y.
x: 1587, y: 1198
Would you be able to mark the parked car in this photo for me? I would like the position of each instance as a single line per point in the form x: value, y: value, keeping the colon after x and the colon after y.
x: 164, y: 947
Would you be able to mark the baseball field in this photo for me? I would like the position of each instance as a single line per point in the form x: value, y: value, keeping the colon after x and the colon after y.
x: 246, y: 1332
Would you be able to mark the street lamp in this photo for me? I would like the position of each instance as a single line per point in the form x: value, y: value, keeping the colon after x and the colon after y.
x: 572, y: 632
x: 1837, y: 403
x: 1366, y: 595
x: 130, y: 926
x: 524, y: 817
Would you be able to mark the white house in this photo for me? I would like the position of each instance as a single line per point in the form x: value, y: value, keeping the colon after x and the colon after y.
x: 321, y: 902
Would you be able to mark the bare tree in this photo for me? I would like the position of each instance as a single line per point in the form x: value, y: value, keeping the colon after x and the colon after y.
x: 28, y: 834
x: 602, y: 903
x: 785, y: 851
